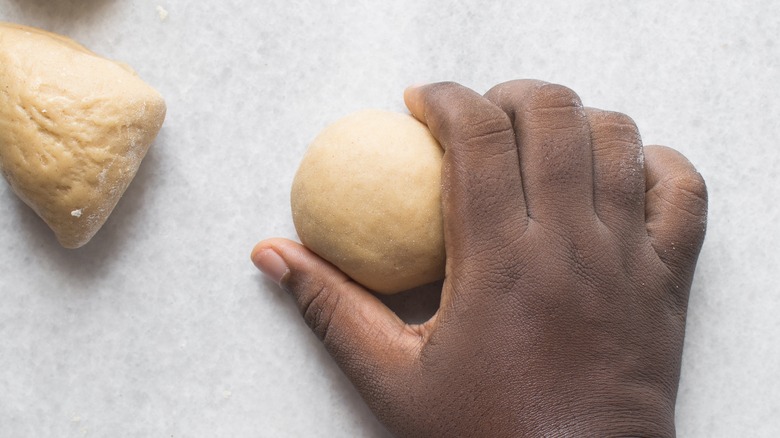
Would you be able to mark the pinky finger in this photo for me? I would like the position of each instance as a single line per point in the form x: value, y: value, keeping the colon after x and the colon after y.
x: 675, y: 208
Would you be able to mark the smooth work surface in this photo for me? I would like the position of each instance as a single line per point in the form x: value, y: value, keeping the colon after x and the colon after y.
x: 162, y: 327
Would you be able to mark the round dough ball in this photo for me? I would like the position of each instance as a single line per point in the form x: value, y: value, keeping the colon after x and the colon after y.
x: 367, y: 198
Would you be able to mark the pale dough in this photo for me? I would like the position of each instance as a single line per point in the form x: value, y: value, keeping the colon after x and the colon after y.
x: 367, y: 198
x: 74, y: 128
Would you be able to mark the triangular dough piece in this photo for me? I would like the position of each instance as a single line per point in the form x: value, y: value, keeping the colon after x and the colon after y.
x: 74, y: 128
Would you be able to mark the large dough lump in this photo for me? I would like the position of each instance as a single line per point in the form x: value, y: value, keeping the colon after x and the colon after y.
x: 74, y: 128
x: 367, y: 198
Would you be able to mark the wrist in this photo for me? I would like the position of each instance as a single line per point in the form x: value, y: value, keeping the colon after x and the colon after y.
x: 643, y: 413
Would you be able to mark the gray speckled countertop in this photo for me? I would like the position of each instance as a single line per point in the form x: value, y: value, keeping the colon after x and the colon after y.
x: 161, y: 327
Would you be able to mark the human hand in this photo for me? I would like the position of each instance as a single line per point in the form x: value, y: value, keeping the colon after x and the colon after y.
x: 570, y: 255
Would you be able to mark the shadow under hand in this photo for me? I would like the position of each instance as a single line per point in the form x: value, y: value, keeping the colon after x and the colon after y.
x: 417, y: 305
x: 58, y: 15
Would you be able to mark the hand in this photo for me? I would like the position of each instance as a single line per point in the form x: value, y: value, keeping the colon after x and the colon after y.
x: 570, y: 254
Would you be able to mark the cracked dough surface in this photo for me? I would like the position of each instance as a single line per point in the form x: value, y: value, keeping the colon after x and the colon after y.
x: 74, y: 128
x: 367, y: 198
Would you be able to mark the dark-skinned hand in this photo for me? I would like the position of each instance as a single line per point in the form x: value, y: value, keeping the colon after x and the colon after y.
x: 570, y: 254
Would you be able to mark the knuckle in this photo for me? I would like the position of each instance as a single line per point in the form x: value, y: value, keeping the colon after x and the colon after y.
x: 441, y: 92
x: 512, y: 89
x: 688, y: 193
x: 488, y: 127
x: 616, y: 138
x: 691, y: 186
x: 612, y: 122
x: 318, y: 310
x: 469, y: 125
x: 470, y: 120
x: 553, y: 96
x: 616, y: 118
x: 444, y: 85
x: 505, y: 92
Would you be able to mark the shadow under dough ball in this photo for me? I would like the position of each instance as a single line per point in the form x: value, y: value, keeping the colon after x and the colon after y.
x: 367, y: 198
x: 74, y: 128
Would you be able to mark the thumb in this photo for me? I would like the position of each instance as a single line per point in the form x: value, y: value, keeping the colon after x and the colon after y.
x: 364, y: 336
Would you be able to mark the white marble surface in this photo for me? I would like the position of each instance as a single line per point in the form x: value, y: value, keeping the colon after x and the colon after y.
x: 161, y: 327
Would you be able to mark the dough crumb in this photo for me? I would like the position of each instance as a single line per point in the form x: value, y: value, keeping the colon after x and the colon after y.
x: 162, y: 13
x: 77, y: 213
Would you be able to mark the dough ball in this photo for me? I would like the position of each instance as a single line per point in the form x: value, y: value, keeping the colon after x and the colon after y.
x: 367, y: 198
x: 74, y: 128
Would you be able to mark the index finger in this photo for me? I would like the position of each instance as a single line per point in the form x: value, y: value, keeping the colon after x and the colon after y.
x: 482, y: 195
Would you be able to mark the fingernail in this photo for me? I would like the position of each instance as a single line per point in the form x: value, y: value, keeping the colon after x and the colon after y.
x: 271, y: 264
